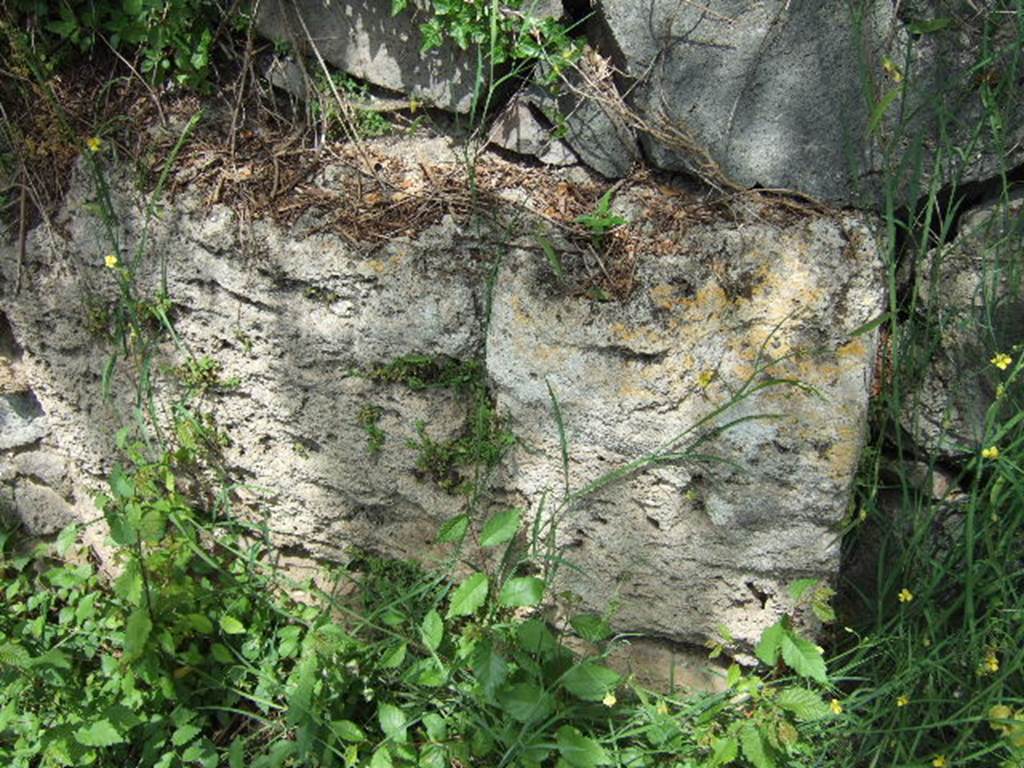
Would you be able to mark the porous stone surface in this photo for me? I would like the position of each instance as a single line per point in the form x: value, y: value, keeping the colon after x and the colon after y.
x: 971, y: 291
x: 518, y: 129
x: 298, y: 313
x: 713, y: 532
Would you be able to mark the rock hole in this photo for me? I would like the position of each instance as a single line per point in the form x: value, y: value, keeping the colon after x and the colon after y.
x: 654, y: 522
x: 9, y: 347
x: 576, y: 14
x: 760, y: 595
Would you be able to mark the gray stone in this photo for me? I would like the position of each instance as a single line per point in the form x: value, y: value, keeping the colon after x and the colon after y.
x: 712, y: 541
x: 45, y: 466
x: 41, y: 510
x: 519, y: 130
x: 22, y: 422
x: 298, y: 312
x: 970, y: 290
x: 591, y: 116
x: 362, y: 38
x: 773, y: 93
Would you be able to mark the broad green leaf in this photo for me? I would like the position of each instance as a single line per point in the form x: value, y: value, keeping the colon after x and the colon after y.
x: 733, y: 675
x: 100, y: 733
x: 552, y: 256
x: 500, y: 528
x: 591, y: 627
x: 724, y: 751
x: 434, y: 756
x: 469, y: 596
x: 437, y: 728
x: 392, y: 722
x: 578, y: 750
x: 346, y: 730
x: 381, y: 758
x: 231, y: 626
x: 754, y: 747
x: 521, y: 592
x: 771, y: 642
x: 221, y: 653
x: 432, y: 630
x: 302, y: 681
x: 184, y: 734
x: 136, y: 633
x: 199, y: 623
x: 394, y: 657
x: 799, y: 587
x: 535, y: 637
x: 86, y: 608
x: 804, y: 657
x: 236, y: 753
x: 128, y: 586
x: 489, y: 668
x: 804, y: 704
x: 590, y: 681
x: 52, y: 658
x: 525, y: 702
x: 453, y: 530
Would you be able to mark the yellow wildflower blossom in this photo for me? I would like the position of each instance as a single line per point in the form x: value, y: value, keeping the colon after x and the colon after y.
x: 836, y: 706
x: 905, y: 595
x: 705, y: 378
x: 609, y: 699
x: 940, y: 762
x: 902, y: 700
x: 110, y: 261
x: 1001, y: 361
x: 94, y: 143
x: 661, y: 708
x: 991, y: 662
x: 992, y: 452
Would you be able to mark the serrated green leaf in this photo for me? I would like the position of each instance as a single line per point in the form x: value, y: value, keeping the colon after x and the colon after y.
x: 199, y: 623
x: 469, y: 596
x: 381, y: 758
x: 535, y: 637
x: 394, y: 657
x: 346, y: 730
x: 768, y: 648
x: 590, y: 681
x: 489, y: 668
x: 523, y: 591
x: 578, y: 750
x: 500, y: 528
x: 754, y: 747
x: 184, y: 734
x: 136, y: 633
x: 805, y: 705
x: 221, y: 653
x: 799, y: 587
x: 525, y: 702
x: 236, y: 753
x: 54, y: 658
x: 453, y: 530
x: 591, y: 627
x: 231, y: 626
x: 434, y: 756
x: 804, y: 657
x: 100, y: 733
x: 392, y: 722
x: 437, y: 728
x: 724, y: 751
x: 432, y: 630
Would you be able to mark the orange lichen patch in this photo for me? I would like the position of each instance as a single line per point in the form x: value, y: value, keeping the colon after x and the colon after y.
x: 844, y: 454
x: 854, y: 349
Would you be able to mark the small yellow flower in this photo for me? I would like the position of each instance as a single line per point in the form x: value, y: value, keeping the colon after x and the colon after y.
x: 902, y: 700
x: 939, y: 762
x: 1000, y: 391
x: 905, y: 595
x: 927, y: 642
x: 609, y: 699
x: 991, y: 662
x: 1001, y: 361
x: 110, y: 261
x: 661, y: 708
x: 94, y: 143
x: 836, y: 707
x: 705, y: 378
x: 992, y: 452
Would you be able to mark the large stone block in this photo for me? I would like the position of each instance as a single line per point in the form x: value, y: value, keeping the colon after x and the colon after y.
x: 298, y: 314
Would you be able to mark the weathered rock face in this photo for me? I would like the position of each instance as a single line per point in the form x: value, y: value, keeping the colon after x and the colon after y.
x: 712, y: 304
x: 970, y: 284
x: 816, y: 97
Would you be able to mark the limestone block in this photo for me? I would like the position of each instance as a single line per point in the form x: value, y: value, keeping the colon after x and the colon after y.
x: 41, y: 510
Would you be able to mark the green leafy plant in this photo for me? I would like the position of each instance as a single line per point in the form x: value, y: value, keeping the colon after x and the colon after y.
x: 602, y: 221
